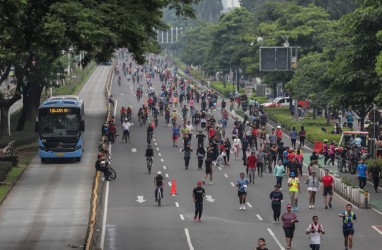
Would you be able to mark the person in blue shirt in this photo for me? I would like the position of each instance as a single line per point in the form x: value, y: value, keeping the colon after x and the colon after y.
x: 362, y: 173
x: 242, y: 185
x: 175, y: 135
x: 348, y: 220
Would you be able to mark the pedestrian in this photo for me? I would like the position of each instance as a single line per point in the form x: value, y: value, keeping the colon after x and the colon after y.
x: 289, y: 219
x: 301, y: 134
x: 313, y: 185
x: 236, y: 146
x: 332, y: 152
x: 227, y: 145
x: 251, y: 167
x: 362, y: 173
x: 315, y: 230
x: 327, y: 182
x: 242, y: 185
x: 260, y: 162
x: 126, y: 130
x: 293, y: 137
x: 279, y: 173
x: 208, y: 165
x: 200, y: 153
x: 376, y: 175
x: 276, y: 197
x: 348, y: 220
x: 198, y: 195
x: 187, y: 155
x: 261, y: 244
x: 294, y: 189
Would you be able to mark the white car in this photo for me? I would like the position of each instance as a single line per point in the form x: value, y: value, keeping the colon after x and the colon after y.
x: 277, y: 102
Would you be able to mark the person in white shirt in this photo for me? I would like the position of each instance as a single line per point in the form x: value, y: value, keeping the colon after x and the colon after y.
x: 190, y: 128
x: 315, y: 230
x: 126, y: 130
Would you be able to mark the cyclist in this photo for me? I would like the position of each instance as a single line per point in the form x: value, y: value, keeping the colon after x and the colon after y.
x: 123, y: 113
x: 102, y: 166
x: 158, y: 183
x: 149, y: 156
x: 126, y: 130
x: 128, y: 113
x: 150, y: 133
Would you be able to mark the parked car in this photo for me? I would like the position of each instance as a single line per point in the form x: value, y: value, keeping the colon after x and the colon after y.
x: 284, y: 102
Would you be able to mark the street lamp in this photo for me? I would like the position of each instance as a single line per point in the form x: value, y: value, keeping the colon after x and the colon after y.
x: 260, y: 40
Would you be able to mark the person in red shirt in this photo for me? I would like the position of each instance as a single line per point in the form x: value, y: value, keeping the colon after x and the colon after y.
x: 291, y: 155
x: 327, y: 182
x: 251, y: 167
x: 255, y: 135
x: 211, y: 133
x: 279, y: 134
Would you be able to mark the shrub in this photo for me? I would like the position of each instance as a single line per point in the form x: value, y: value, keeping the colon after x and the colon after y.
x: 370, y: 163
x: 5, y: 167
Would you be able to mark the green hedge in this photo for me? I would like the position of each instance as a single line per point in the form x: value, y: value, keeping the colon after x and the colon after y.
x: 5, y: 167
x: 370, y: 163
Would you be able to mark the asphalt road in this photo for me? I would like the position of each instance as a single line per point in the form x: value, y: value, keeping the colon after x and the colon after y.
x: 134, y: 221
x: 49, y: 206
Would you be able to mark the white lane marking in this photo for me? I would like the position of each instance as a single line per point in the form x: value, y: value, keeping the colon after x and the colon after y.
x: 376, y: 229
x: 158, y: 149
x: 188, y: 239
x: 161, y: 160
x: 176, y: 204
x: 274, y: 237
x: 105, y: 206
x: 232, y: 184
x: 181, y: 216
x: 166, y: 175
x: 376, y: 210
x: 140, y: 198
x: 153, y: 139
x: 156, y: 144
x: 249, y: 204
x: 258, y: 216
x: 226, y: 176
x: 132, y: 150
x: 164, y: 167
x: 220, y: 168
x: 159, y: 154
x: 169, y: 183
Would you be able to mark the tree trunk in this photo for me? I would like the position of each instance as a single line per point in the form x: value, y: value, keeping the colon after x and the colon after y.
x: 5, y: 104
x: 328, y: 116
x: 31, y: 101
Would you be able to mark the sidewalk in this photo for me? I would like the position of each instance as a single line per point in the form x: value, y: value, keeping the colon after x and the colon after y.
x: 375, y: 198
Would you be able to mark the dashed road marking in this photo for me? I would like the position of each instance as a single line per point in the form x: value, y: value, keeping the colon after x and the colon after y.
x: 249, y: 204
x: 232, y: 184
x: 176, y: 204
x: 166, y: 175
x: 169, y: 183
x: 181, y: 216
x: 274, y: 237
x: 133, y: 150
x: 159, y: 154
x: 188, y: 239
x: 164, y: 167
x: 258, y: 216
x: 158, y: 149
x: 220, y: 168
x: 226, y: 176
x: 161, y: 160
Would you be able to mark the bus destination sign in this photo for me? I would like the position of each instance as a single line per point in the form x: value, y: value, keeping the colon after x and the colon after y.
x: 60, y: 110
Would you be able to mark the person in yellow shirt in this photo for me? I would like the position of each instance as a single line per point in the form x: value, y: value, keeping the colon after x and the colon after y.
x: 294, y: 189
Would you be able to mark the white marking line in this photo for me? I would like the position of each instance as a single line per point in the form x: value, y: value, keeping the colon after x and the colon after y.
x: 176, y: 204
x: 274, y: 237
x: 188, y: 239
x: 164, y: 167
x: 220, y: 168
x: 376, y: 229
x: 258, y: 216
x: 249, y: 204
x: 158, y: 149
x: 376, y: 210
x: 161, y: 160
x: 155, y: 144
x: 169, y: 183
x: 166, y: 175
x: 232, y: 184
x: 181, y: 216
x: 159, y: 154
x: 133, y: 150
x: 339, y: 196
x: 225, y: 175
x: 105, y: 206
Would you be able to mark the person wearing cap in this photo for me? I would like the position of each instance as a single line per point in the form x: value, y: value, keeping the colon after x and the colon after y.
x: 126, y: 130
x: 261, y: 244
x: 289, y: 219
x: 158, y: 183
x: 198, y: 195
x: 294, y: 189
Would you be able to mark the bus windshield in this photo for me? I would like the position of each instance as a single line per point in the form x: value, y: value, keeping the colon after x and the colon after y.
x: 59, y: 125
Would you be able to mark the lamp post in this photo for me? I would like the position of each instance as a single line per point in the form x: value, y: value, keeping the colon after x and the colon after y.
x: 260, y: 40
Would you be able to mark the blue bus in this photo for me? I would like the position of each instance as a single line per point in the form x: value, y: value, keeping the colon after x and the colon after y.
x: 60, y: 124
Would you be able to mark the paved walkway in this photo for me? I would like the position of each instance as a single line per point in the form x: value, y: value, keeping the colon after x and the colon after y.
x: 375, y: 198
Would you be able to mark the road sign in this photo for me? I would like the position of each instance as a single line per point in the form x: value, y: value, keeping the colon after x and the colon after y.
x: 278, y: 58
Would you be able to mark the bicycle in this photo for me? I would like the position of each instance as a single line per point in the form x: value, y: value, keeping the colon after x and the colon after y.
x: 149, y: 161
x: 159, y: 195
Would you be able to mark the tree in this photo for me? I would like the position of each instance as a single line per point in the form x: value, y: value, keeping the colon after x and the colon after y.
x: 354, y: 77
x: 35, y: 30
